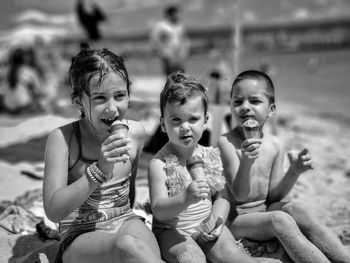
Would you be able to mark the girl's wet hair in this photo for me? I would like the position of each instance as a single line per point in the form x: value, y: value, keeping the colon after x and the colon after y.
x: 179, y: 87
x: 257, y: 75
x: 92, y: 63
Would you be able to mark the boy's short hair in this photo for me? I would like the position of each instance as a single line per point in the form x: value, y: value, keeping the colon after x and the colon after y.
x: 257, y: 75
x: 179, y: 87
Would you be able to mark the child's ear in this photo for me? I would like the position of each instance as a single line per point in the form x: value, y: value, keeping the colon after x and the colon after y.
x: 272, y: 110
x: 162, y: 125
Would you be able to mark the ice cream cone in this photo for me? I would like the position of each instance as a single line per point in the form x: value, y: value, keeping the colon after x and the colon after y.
x: 195, y: 166
x: 120, y: 128
x: 251, y: 129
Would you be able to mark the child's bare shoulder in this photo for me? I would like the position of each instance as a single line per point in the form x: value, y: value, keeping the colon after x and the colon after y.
x: 273, y: 141
x: 160, y: 156
x: 228, y: 138
x: 64, y: 131
x: 157, y: 162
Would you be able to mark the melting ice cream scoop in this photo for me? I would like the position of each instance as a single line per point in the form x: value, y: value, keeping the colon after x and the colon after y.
x: 195, y: 166
x: 251, y: 129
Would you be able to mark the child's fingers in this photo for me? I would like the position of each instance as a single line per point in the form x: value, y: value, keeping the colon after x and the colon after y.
x: 253, y: 154
x: 118, y: 151
x: 306, y: 157
x: 113, y: 137
x: 110, y: 144
x: 122, y: 158
x: 216, y: 232
x: 202, y: 184
x: 248, y: 142
x: 303, y: 152
x: 203, y: 195
x: 253, y: 148
x: 308, y: 164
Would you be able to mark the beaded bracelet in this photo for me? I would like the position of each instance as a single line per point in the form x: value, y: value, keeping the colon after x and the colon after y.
x: 92, y: 177
x: 98, y: 172
x: 102, y: 174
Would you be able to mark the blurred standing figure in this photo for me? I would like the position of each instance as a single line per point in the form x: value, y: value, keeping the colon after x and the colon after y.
x: 24, y: 90
x: 90, y: 15
x: 217, y: 86
x: 168, y: 38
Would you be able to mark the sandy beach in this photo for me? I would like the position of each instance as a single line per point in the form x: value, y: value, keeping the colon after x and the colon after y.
x: 312, y: 95
x: 326, y: 188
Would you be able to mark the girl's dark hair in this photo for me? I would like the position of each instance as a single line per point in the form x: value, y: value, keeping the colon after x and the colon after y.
x: 179, y: 87
x: 89, y: 63
x: 257, y: 75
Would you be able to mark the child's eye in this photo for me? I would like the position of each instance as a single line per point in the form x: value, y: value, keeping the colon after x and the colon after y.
x: 120, y: 96
x: 194, y: 119
x: 98, y: 98
x: 255, y: 101
x: 175, y: 119
x: 237, y: 102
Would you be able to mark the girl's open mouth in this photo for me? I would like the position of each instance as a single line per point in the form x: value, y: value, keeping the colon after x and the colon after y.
x: 108, y: 121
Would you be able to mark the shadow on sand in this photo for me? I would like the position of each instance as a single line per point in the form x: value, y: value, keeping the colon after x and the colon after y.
x: 30, y: 151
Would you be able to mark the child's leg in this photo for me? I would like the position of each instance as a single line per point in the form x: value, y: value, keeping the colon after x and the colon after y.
x: 318, y: 233
x: 264, y: 226
x: 133, y: 243
x: 178, y: 248
x: 224, y: 249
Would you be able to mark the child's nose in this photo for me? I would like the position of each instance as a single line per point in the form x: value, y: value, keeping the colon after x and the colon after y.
x: 245, y: 107
x: 112, y: 106
x: 184, y: 127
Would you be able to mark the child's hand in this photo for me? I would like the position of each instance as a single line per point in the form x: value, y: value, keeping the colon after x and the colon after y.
x: 197, y: 190
x: 215, y: 232
x: 250, y: 150
x: 300, y: 161
x: 113, y: 149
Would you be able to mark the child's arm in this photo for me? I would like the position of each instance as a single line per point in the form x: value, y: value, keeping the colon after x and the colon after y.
x: 164, y: 207
x: 219, y: 212
x: 279, y: 186
x: 221, y: 205
x: 237, y: 172
x: 59, y: 198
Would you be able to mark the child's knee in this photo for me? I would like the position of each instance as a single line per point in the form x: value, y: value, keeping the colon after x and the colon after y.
x: 302, y: 215
x: 282, y: 222
x: 128, y: 245
x: 227, y: 250
x: 191, y: 254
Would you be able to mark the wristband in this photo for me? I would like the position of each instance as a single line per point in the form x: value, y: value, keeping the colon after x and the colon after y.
x: 91, y: 176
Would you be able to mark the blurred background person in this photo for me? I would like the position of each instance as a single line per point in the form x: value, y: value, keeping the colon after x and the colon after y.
x: 90, y: 15
x: 217, y: 82
x: 23, y: 88
x: 169, y: 40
